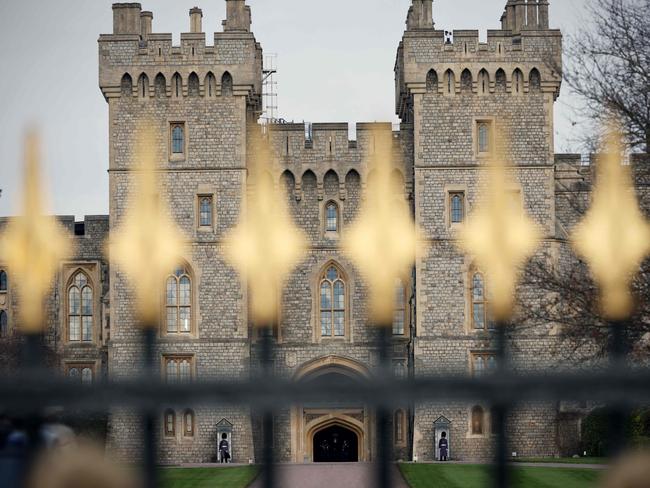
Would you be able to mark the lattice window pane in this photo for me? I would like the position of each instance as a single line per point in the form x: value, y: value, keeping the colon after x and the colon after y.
x: 325, y: 296
x: 172, y: 371
x: 339, y: 324
x: 184, y: 317
x: 74, y: 301
x: 326, y: 323
x: 477, y: 287
x: 3, y: 281
x: 86, y: 376
x: 172, y: 319
x: 80, y: 280
x: 87, y: 328
x: 178, y: 139
x: 332, y: 218
x: 87, y: 301
x: 75, y: 328
x: 339, y: 295
x: 172, y: 291
x: 74, y: 374
x: 185, y: 291
x: 479, y: 316
x: 332, y: 274
x: 206, y: 212
x: 398, y: 322
x: 457, y: 211
x: 185, y: 373
x: 483, y: 138
x: 479, y: 366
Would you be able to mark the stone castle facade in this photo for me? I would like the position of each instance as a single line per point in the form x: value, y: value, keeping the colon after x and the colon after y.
x: 452, y: 94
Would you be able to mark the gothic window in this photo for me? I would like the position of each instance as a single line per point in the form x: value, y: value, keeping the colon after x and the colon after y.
x: 399, y: 313
x: 126, y: 85
x: 449, y: 79
x: 535, y: 80
x: 170, y: 423
x: 500, y: 80
x: 331, y: 217
x: 399, y: 369
x: 483, y: 363
x: 211, y: 84
x: 332, y: 303
x: 178, y: 369
x: 226, y: 84
x: 188, y: 423
x: 518, y: 81
x: 178, y: 139
x: 483, y: 82
x: 80, y: 309
x: 484, y: 137
x: 4, y: 327
x: 160, y: 85
x: 466, y: 80
x: 177, y: 86
x: 205, y: 211
x: 399, y: 422
x: 480, y: 316
x: 478, y: 420
x: 81, y: 373
x: 178, y: 302
x: 193, y: 85
x: 143, y: 85
x: 432, y: 81
x: 457, y: 207
x: 3, y: 280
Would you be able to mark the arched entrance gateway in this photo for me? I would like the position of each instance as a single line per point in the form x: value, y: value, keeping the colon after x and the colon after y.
x: 332, y: 431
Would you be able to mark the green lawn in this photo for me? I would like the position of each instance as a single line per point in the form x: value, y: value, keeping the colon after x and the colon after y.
x: 478, y: 476
x: 582, y: 460
x: 237, y: 477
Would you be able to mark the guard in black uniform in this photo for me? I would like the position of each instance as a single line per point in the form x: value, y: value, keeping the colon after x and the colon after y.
x: 443, y: 445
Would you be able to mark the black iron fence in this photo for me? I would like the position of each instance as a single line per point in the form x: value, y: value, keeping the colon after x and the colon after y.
x: 616, y: 385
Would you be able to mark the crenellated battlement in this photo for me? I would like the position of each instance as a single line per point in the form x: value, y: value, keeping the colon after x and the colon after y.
x: 135, y: 51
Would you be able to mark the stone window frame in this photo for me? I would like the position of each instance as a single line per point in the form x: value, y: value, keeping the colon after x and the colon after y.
x: 194, y: 312
x: 192, y: 432
x: 348, y: 280
x: 166, y: 358
x: 332, y: 234
x: 450, y: 191
x: 488, y: 324
x: 167, y: 432
x: 475, y: 355
x: 490, y: 121
x: 406, y: 284
x: 485, y: 430
x: 399, y: 427
x: 68, y: 271
x: 177, y: 157
x: 81, y: 366
x: 213, y: 211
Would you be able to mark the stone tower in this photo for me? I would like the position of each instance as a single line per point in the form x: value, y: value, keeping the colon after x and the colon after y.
x: 459, y: 94
x: 199, y: 100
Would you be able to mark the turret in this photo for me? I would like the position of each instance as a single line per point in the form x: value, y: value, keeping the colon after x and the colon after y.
x: 525, y: 15
x: 420, y: 15
x: 238, y: 16
x: 126, y: 18
x: 146, y: 24
x: 196, y: 20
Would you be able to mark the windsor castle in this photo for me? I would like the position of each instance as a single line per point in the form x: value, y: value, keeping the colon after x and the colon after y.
x: 453, y: 93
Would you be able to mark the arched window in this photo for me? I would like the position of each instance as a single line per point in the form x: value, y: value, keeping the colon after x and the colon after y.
x: 193, y: 85
x: 126, y: 85
x: 178, y: 369
x: 188, y: 423
x: 517, y: 81
x: 80, y: 309
x: 500, y: 80
x: 432, y: 81
x: 449, y: 75
x: 205, y: 211
x: 399, y: 426
x: 331, y: 217
x: 178, y: 138
x: 480, y: 316
x: 81, y: 373
x: 399, y: 313
x: 143, y: 85
x: 483, y: 82
x: 170, y: 423
x: 457, y: 207
x: 179, y: 302
x: 466, y: 81
x: 86, y: 376
x: 210, y: 84
x: 160, y: 86
x: 3, y: 280
x: 332, y: 303
x: 4, y: 326
x: 535, y: 80
x: 177, y: 85
x: 478, y: 420
x: 484, y: 137
x: 226, y: 84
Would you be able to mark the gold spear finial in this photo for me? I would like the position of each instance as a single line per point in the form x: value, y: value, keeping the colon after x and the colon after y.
x: 501, y: 237
x: 266, y: 245
x: 383, y: 241
x: 613, y: 237
x: 147, y: 246
x: 33, y: 244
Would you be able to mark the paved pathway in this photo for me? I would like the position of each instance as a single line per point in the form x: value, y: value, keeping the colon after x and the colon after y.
x: 325, y: 475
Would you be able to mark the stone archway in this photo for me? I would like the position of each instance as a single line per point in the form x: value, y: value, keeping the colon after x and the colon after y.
x: 311, y: 424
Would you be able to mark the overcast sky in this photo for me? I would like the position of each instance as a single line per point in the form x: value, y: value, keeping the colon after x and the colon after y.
x: 335, y: 64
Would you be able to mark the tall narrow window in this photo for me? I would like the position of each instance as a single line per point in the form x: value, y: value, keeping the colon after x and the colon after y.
x: 4, y: 326
x: 518, y: 81
x: 179, y: 302
x: 178, y: 369
x: 205, y: 211
x: 484, y: 137
x: 432, y: 81
x: 332, y: 303
x: 80, y: 309
x: 3, y: 280
x: 480, y: 316
x: 178, y: 139
x: 484, y: 82
x: 400, y: 308
x: 188, y: 423
x: 399, y: 426
x: 226, y: 84
x: 457, y: 207
x: 170, y: 423
x: 478, y: 420
x: 332, y: 217
x: 177, y: 85
x: 450, y: 82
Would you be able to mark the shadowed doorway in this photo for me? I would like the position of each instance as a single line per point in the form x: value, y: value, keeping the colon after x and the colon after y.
x: 336, y: 444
